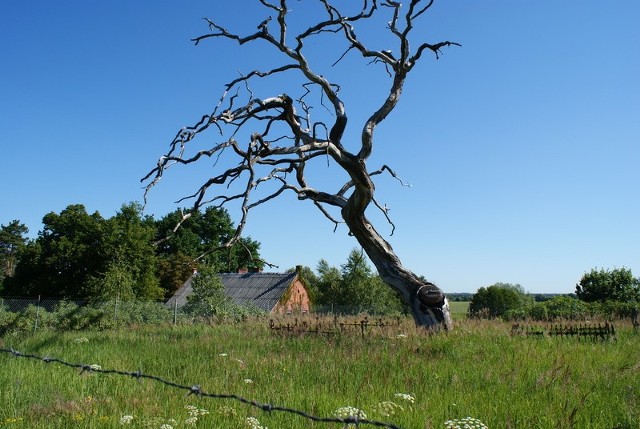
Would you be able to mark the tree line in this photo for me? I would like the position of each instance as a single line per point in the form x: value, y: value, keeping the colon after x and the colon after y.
x: 599, y: 292
x: 84, y: 256
x: 78, y: 255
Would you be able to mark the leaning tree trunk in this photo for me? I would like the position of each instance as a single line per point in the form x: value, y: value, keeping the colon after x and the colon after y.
x: 429, y: 305
x: 307, y: 138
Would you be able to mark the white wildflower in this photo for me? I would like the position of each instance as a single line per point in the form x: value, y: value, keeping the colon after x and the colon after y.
x: 95, y: 367
x: 223, y: 355
x: 248, y: 381
x: 195, y: 411
x: 401, y: 336
x: 81, y: 340
x: 349, y: 412
x: 465, y: 423
x: 405, y: 397
x: 126, y: 420
x: 166, y: 426
x: 191, y: 421
x: 253, y: 423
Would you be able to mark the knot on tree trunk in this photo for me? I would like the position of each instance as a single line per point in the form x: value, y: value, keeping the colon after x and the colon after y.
x: 431, y: 307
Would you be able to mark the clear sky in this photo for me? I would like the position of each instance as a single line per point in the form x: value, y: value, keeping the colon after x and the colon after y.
x: 522, y: 146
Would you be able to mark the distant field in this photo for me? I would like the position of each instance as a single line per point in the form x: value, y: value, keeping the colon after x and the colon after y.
x: 478, y: 370
x: 458, y: 309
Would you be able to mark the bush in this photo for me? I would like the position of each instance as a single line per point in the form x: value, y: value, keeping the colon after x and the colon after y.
x: 539, y: 312
x: 209, y: 300
x: 604, y: 285
x: 567, y: 308
x: 498, y: 300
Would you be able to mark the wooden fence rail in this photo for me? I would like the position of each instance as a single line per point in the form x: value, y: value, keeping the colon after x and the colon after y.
x: 599, y: 332
x: 335, y: 326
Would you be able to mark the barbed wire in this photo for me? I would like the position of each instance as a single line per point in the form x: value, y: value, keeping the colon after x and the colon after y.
x: 197, y: 390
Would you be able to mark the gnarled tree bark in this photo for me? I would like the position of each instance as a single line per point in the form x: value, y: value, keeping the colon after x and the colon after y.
x: 281, y: 118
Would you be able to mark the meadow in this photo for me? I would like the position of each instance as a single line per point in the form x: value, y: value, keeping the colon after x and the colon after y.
x: 398, y: 375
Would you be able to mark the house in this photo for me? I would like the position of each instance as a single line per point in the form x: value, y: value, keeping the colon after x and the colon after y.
x: 272, y: 292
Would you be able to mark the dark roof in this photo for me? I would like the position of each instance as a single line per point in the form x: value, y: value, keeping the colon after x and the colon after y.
x: 263, y: 290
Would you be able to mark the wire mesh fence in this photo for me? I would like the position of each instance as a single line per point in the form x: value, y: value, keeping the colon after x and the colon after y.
x: 23, y: 314
x: 33, y: 314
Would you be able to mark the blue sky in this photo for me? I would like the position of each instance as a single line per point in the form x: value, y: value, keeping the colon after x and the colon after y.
x: 522, y: 146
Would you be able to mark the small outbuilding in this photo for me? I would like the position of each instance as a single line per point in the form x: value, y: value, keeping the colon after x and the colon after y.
x: 277, y: 293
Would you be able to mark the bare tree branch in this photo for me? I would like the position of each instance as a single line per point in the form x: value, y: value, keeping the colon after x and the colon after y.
x: 275, y: 139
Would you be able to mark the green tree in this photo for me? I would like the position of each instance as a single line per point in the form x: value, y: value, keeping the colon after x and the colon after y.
x: 129, y: 236
x: 604, y: 285
x: 78, y: 255
x: 65, y: 255
x: 202, y: 236
x: 208, y: 297
x: 499, y: 298
x: 12, y: 240
x: 329, y: 282
x: 355, y: 287
x: 173, y: 271
x: 129, y: 258
x: 116, y: 283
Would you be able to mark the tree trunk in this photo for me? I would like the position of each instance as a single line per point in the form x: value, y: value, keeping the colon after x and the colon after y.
x: 428, y: 303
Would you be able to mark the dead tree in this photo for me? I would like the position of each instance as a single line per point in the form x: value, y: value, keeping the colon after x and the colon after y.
x: 274, y: 140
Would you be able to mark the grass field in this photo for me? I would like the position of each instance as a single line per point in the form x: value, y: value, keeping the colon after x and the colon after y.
x: 477, y: 370
x: 458, y: 309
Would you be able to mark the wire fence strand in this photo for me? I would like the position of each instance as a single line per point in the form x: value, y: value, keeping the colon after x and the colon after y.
x: 197, y: 390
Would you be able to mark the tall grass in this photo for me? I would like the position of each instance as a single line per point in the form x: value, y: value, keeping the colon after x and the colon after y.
x: 477, y: 370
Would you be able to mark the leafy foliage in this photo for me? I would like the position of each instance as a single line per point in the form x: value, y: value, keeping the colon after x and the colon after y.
x: 173, y: 271
x: 563, y: 307
x: 12, y: 240
x: 84, y: 256
x: 354, y: 287
x: 69, y: 316
x: 603, y: 285
x: 208, y: 297
x: 128, y: 246
x: 210, y: 301
x: 498, y: 299
x: 64, y: 256
x: 202, y: 235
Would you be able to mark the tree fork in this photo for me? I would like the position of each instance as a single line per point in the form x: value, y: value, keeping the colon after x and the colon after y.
x: 265, y: 152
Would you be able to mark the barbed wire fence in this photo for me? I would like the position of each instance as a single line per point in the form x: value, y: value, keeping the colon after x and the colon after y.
x: 197, y: 390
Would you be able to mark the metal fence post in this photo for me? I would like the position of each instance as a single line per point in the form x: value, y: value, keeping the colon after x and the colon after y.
x: 175, y: 312
x: 35, y: 325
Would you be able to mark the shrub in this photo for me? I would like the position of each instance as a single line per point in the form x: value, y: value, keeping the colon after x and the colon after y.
x: 608, y: 285
x: 565, y: 307
x: 499, y: 299
x: 210, y: 301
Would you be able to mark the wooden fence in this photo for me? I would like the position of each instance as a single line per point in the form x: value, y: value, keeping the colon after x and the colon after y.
x: 599, y: 332
x: 333, y: 326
